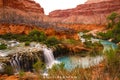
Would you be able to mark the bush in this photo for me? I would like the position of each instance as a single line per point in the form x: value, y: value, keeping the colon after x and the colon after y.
x: 113, y: 63
x: 8, y: 70
x: 52, y: 41
x: 106, y: 35
x: 27, y: 43
x: 39, y: 66
x: 3, y: 46
x: 112, y: 34
x: 36, y: 35
x: 7, y: 36
x: 88, y: 36
x: 23, y: 38
x: 21, y: 74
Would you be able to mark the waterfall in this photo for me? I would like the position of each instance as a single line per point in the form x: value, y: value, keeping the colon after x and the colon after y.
x: 25, y: 60
x: 15, y: 63
x: 49, y: 58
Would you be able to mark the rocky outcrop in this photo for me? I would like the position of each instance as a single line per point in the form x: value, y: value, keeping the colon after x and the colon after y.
x: 24, y: 5
x: 92, y: 13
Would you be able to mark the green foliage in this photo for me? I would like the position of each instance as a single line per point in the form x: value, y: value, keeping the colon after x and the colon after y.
x: 69, y: 41
x: 113, y: 63
x: 114, y: 32
x: 112, y: 16
x: 36, y: 35
x: 52, y: 41
x: 3, y: 46
x: 95, y: 48
x: 109, y: 34
x: 57, y: 69
x: 32, y: 36
x: 7, y: 36
x: 39, y: 66
x: 27, y: 43
x: 21, y: 74
x: 23, y: 38
x: 88, y: 36
x: 8, y: 70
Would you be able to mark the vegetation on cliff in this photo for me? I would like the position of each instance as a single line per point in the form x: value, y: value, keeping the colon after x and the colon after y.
x: 114, y: 28
x: 34, y: 35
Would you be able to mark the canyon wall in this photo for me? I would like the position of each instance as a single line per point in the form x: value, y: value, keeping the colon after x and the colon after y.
x: 25, y: 29
x: 92, y: 13
x: 23, y: 5
x: 95, y: 1
x: 29, y: 13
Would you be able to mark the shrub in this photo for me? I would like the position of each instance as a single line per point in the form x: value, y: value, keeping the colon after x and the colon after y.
x: 23, y: 38
x: 3, y: 46
x: 39, y: 66
x: 27, y: 43
x: 106, y: 35
x: 8, y: 70
x: 7, y: 36
x: 36, y: 35
x: 21, y: 74
x: 88, y: 36
x: 51, y: 41
x: 57, y: 70
x: 113, y: 64
x: 69, y: 41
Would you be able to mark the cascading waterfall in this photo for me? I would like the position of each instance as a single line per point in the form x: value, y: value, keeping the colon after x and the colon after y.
x: 24, y: 62
x: 49, y: 58
x: 15, y: 63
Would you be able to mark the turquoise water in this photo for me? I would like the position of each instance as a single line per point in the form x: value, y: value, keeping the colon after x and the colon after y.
x: 73, y: 61
x: 108, y: 45
x: 68, y: 61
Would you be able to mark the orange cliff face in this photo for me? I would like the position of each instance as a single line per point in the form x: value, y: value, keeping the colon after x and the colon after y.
x: 94, y: 12
x: 23, y: 5
x: 25, y: 29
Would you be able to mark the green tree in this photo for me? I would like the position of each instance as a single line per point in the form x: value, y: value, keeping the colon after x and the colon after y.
x: 36, y: 35
x: 51, y: 41
x: 112, y: 18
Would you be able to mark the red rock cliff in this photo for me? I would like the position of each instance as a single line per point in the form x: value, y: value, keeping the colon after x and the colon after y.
x: 24, y: 5
x: 95, y: 1
x: 92, y: 13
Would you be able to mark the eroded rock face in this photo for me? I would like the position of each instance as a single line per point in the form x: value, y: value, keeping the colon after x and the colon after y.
x: 92, y: 13
x: 24, y: 29
x: 24, y: 5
